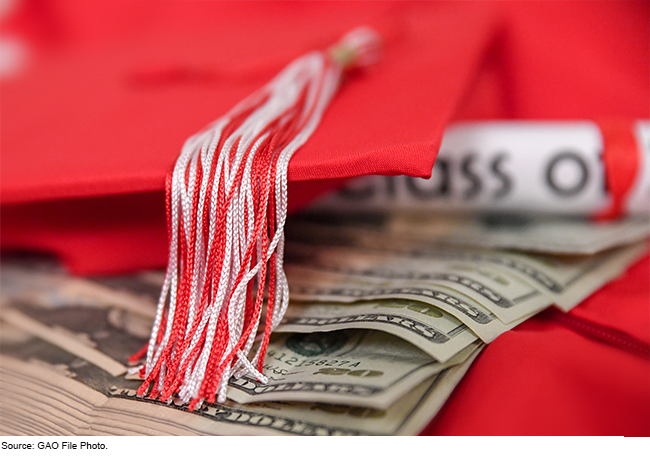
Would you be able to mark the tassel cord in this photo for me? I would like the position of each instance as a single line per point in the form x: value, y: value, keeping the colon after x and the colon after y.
x: 226, y: 218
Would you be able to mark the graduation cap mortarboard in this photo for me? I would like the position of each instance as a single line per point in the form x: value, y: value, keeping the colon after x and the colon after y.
x: 110, y: 91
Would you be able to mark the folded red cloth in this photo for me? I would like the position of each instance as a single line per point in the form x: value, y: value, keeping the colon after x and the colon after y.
x: 544, y: 378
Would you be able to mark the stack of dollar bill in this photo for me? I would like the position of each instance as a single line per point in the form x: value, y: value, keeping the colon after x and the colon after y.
x: 387, y: 313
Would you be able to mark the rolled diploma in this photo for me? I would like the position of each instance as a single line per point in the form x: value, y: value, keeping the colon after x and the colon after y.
x: 544, y: 167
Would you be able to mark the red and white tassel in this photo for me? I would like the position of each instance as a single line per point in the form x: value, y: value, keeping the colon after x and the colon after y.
x: 226, y: 210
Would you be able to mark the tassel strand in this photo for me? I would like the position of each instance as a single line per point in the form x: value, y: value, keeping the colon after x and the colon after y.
x: 226, y: 210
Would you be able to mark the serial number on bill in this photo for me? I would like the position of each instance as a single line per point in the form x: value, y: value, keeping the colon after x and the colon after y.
x: 296, y: 362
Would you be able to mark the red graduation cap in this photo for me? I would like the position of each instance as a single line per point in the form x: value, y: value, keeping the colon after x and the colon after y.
x: 107, y: 94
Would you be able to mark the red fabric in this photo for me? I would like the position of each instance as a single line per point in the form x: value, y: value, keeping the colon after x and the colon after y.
x: 111, y: 90
x: 123, y: 231
x: 544, y: 379
x: 625, y: 302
